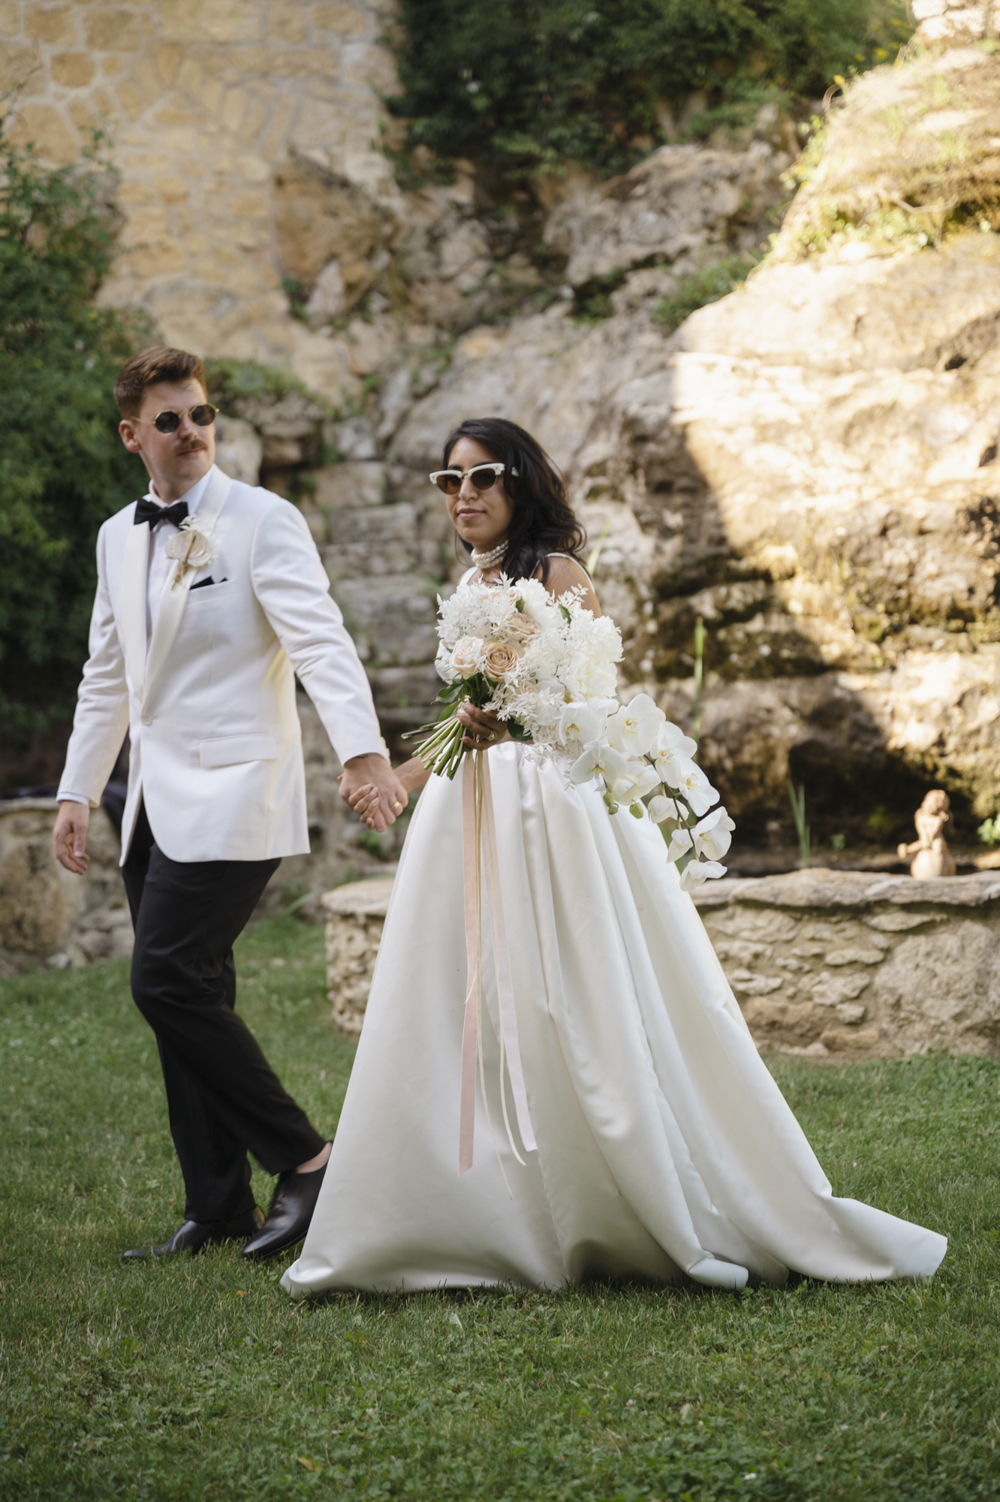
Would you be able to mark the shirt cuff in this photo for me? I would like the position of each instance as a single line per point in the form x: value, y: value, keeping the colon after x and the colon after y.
x: 62, y: 797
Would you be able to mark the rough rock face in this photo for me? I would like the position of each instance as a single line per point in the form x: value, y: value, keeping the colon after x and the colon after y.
x: 684, y: 204
x: 810, y: 465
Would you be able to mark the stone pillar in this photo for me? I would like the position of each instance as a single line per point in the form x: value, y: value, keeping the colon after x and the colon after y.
x: 355, y: 915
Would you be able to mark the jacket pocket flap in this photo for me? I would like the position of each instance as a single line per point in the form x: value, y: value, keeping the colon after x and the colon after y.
x: 227, y: 750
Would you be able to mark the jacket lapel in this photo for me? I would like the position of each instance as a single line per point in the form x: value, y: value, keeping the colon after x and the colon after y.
x: 135, y: 568
x: 174, y: 598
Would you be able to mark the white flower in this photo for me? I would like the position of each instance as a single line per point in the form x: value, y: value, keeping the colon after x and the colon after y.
x: 582, y: 722
x: 192, y: 549
x: 537, y: 600
x: 689, y: 779
x: 633, y: 728
x: 673, y: 748
x: 645, y: 777
x: 661, y: 808
x: 680, y: 843
x: 443, y: 664
x: 465, y: 656
x: 600, y: 758
x: 623, y: 788
x: 698, y: 871
x: 714, y: 834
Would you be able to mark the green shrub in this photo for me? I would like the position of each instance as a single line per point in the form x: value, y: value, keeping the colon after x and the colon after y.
x: 703, y: 287
x: 63, y: 469
x: 231, y: 380
x: 528, y: 85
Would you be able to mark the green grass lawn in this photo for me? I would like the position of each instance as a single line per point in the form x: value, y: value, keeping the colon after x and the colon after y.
x: 199, y: 1378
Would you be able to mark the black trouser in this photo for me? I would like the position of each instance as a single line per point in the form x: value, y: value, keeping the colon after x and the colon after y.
x: 223, y: 1097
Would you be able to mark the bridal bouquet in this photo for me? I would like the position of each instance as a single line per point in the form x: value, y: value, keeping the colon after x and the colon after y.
x: 547, y: 668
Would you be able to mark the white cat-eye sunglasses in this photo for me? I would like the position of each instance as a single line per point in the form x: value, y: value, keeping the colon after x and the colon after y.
x: 481, y: 475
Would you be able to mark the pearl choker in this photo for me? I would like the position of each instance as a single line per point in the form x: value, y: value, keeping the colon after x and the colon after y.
x: 495, y: 555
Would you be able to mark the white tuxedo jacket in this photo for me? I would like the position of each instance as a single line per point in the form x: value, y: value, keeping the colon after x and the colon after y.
x: 210, y: 707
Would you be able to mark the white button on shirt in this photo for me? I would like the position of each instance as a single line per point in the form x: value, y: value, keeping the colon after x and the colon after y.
x: 159, y: 564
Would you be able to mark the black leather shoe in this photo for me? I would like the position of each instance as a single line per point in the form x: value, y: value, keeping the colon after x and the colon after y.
x: 194, y: 1235
x: 287, y: 1221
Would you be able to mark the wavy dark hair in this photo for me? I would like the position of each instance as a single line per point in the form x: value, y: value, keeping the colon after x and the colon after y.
x: 543, y: 518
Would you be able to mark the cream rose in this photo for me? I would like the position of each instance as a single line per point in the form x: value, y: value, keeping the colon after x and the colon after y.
x: 521, y: 628
x: 465, y: 656
x: 498, y: 658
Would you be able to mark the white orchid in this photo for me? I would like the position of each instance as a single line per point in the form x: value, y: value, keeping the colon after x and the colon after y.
x: 673, y: 750
x: 661, y: 808
x: 599, y: 759
x: 681, y: 842
x: 633, y: 727
x: 583, y: 723
x: 700, y: 871
x: 645, y: 777
x: 713, y: 835
x: 691, y: 782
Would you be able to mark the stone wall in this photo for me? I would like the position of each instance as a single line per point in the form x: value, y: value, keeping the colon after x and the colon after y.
x: 833, y: 964
x: 825, y: 964
x: 208, y: 101
x: 47, y: 915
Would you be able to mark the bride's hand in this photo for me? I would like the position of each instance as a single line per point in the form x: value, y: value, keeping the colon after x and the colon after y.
x: 484, y: 729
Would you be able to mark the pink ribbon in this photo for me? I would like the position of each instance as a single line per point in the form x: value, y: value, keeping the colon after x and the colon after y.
x: 479, y: 851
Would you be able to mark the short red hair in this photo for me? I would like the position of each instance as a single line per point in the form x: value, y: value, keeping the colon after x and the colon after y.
x: 150, y: 368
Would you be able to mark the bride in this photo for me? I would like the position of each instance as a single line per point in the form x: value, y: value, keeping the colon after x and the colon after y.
x: 664, y: 1147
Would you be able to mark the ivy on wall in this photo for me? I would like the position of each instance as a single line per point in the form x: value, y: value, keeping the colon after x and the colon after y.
x: 526, y: 86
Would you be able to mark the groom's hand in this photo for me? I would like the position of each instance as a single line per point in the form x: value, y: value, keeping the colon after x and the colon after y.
x: 70, y: 837
x: 376, y: 771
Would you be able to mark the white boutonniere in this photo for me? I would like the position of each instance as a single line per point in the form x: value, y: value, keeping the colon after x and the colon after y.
x: 191, y: 548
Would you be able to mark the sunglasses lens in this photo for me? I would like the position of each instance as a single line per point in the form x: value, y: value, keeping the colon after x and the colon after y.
x: 483, y: 478
x: 449, y: 482
x: 203, y: 416
x: 166, y: 422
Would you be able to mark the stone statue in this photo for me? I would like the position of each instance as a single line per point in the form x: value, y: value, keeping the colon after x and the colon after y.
x: 931, y: 856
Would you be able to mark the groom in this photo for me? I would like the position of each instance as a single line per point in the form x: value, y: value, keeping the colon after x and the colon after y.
x: 210, y: 599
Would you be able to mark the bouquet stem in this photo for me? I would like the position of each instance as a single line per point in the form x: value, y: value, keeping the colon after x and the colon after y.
x: 441, y: 748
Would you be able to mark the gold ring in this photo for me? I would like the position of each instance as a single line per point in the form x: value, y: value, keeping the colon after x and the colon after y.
x: 490, y: 736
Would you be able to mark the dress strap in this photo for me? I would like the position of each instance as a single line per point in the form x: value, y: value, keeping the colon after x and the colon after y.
x: 571, y: 559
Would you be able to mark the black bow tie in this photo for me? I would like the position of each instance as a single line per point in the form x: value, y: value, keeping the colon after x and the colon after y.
x: 150, y: 511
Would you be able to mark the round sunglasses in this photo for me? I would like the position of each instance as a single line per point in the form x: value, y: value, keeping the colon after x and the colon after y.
x: 203, y: 416
x: 482, y: 476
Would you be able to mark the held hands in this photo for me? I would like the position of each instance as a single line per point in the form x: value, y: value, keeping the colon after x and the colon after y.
x: 485, y: 730
x: 386, y: 794
x: 70, y: 837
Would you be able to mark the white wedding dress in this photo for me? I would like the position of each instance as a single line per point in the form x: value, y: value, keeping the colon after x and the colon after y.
x: 664, y: 1145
